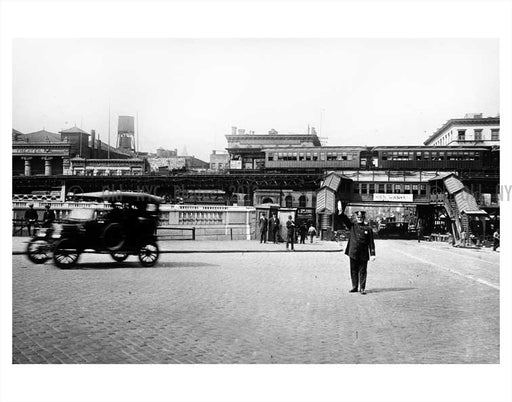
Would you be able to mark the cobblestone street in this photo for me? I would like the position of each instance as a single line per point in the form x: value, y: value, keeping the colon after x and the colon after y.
x: 426, y: 303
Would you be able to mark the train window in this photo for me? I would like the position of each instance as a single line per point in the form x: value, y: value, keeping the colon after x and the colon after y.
x: 477, y: 156
x: 322, y: 156
x: 415, y: 188
x: 395, y: 156
x: 426, y: 156
x: 331, y: 156
x: 295, y: 156
x: 371, y: 188
x: 495, y: 134
x: 364, y: 188
x: 397, y: 188
x: 350, y: 157
x: 363, y: 162
x: 407, y: 189
x: 411, y: 156
x: 315, y: 156
x: 301, y: 156
x: 308, y: 156
x: 270, y: 157
x: 434, y: 155
x: 423, y: 189
x: 384, y: 156
x: 418, y: 155
x: 381, y: 188
x: 441, y: 156
x: 356, y: 188
x: 389, y: 188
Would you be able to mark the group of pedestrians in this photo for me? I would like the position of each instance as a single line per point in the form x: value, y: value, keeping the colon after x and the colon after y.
x: 272, y: 225
x: 31, y: 218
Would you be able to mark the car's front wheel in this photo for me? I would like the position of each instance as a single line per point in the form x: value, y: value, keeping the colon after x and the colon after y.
x: 148, y: 253
x: 65, y: 254
x: 38, y: 251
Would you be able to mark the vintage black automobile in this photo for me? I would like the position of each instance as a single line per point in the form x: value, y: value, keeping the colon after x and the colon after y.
x: 397, y: 230
x: 121, y: 224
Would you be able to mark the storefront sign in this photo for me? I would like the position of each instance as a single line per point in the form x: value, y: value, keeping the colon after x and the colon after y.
x: 392, y: 197
x: 235, y: 164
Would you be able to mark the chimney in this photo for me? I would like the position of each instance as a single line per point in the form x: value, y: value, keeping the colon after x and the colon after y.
x: 233, y: 130
x: 93, y: 139
x: 214, y: 152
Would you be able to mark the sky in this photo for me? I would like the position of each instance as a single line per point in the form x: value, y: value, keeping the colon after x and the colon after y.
x: 190, y: 92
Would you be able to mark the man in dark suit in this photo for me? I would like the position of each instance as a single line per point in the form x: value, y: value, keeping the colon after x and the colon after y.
x: 263, y: 228
x: 274, y: 227
x: 290, y: 229
x: 360, y: 248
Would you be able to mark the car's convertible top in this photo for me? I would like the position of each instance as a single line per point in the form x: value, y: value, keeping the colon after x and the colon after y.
x: 122, y: 196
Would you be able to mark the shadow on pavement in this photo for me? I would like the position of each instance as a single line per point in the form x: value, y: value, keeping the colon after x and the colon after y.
x: 135, y: 264
x: 380, y: 290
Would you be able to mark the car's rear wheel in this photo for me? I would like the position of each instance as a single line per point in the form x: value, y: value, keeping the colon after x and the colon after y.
x: 38, y: 251
x: 148, y: 253
x: 118, y: 256
x: 65, y: 254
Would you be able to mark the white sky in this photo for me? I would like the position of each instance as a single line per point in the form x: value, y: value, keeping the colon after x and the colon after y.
x: 190, y: 92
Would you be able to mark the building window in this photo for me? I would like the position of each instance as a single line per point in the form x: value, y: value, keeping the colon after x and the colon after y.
x: 478, y: 134
x: 495, y: 134
x: 462, y: 135
x: 288, y: 201
x: 363, y: 162
x: 271, y: 158
x: 302, y: 201
x: 397, y: 188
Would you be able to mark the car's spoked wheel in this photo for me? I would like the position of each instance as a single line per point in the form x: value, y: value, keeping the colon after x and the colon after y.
x: 38, y: 251
x: 65, y: 254
x: 148, y: 254
x: 119, y: 257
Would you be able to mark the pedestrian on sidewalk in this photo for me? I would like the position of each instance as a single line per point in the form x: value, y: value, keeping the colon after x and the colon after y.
x: 48, y: 216
x: 274, y: 227
x: 31, y: 219
x: 311, y: 233
x: 420, y: 230
x: 360, y: 247
x: 290, y: 228
x: 303, y: 230
x: 263, y: 228
x: 496, y: 238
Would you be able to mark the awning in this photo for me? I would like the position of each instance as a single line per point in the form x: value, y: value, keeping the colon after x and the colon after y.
x: 453, y: 184
x: 325, y: 201
x: 466, y: 203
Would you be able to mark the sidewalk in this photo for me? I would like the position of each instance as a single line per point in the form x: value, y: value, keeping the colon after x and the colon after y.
x: 19, y: 245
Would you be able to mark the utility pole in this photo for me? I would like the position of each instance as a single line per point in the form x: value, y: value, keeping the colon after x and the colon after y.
x: 108, y: 145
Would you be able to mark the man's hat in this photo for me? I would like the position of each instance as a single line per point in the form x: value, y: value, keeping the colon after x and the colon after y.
x: 360, y: 213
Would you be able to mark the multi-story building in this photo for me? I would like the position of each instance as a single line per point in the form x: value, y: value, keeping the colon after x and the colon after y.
x: 473, y: 129
x: 246, y: 149
x: 47, y: 153
x: 219, y: 161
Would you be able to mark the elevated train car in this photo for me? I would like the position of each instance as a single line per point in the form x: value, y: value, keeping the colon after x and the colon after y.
x: 314, y: 158
x: 434, y: 158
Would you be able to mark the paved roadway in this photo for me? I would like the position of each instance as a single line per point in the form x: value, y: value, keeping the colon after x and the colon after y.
x: 426, y: 303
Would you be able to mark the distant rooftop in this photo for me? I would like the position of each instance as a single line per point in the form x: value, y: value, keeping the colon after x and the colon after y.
x: 73, y: 130
x: 468, y: 119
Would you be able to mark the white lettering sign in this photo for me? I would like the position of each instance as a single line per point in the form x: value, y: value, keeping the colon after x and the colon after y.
x: 235, y: 164
x: 392, y: 197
